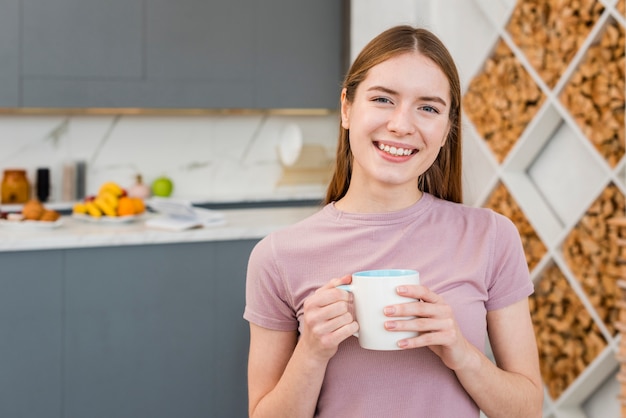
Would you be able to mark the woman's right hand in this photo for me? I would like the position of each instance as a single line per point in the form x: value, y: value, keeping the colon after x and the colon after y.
x: 327, y: 319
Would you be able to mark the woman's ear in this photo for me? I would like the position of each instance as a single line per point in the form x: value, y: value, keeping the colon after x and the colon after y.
x: 345, y: 110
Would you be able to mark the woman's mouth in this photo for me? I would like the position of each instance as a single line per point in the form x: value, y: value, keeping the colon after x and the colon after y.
x: 395, y: 151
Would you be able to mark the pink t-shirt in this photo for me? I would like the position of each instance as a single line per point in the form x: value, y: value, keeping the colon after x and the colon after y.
x: 472, y: 257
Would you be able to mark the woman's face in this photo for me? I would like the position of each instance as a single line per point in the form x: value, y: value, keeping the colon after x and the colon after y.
x: 398, y: 121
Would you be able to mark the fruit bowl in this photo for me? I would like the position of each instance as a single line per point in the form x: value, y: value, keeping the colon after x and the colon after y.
x: 110, y: 205
x: 108, y: 219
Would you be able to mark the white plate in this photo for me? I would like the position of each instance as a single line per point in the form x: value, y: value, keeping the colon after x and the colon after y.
x: 30, y: 225
x: 108, y: 219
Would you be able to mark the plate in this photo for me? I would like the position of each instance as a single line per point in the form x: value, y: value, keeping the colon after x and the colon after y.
x: 108, y: 219
x: 30, y: 225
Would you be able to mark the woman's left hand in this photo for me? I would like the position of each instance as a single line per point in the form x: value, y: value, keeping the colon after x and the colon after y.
x: 434, y: 322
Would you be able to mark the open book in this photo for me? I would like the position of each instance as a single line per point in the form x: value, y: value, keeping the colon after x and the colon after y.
x: 179, y: 215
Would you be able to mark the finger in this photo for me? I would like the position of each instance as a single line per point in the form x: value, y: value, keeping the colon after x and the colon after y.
x: 421, y: 325
x: 333, y: 324
x: 420, y: 309
x: 347, y: 279
x: 420, y: 292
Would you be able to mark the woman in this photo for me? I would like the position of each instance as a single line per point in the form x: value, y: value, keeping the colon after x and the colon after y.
x: 394, y: 202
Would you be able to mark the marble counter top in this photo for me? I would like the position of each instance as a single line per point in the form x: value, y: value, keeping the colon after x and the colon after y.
x: 72, y: 233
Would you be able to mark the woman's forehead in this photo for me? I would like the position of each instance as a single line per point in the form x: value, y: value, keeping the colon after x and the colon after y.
x: 411, y: 70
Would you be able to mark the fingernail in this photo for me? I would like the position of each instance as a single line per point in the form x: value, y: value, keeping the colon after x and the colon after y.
x: 403, y: 343
x: 389, y: 310
x: 390, y: 324
x: 401, y: 289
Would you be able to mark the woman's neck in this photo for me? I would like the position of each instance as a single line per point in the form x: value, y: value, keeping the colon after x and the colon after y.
x: 360, y: 201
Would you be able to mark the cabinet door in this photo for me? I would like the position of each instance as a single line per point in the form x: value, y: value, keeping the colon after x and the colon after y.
x: 201, y: 53
x: 180, y: 54
x: 80, y: 52
x: 156, y: 331
x: 232, y: 346
x: 299, y: 58
x: 31, y: 333
x: 9, y: 54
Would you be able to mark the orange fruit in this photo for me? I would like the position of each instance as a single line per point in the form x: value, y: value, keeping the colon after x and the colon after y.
x: 126, y: 207
x: 140, y: 207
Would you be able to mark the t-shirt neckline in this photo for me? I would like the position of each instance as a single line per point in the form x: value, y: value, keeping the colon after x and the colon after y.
x: 398, y: 216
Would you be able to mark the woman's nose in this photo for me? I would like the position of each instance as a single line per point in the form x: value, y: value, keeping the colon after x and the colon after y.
x: 401, y: 121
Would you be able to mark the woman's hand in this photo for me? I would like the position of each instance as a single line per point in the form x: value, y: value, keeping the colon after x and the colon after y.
x: 327, y: 319
x: 434, y: 322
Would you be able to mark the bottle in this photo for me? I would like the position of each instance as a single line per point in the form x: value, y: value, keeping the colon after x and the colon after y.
x: 43, y: 184
x: 15, y: 186
x: 139, y: 189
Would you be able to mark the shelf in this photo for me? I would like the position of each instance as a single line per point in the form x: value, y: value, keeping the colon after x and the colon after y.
x: 568, y: 338
x: 550, y: 35
x: 545, y: 146
x: 594, y: 95
x: 565, y: 175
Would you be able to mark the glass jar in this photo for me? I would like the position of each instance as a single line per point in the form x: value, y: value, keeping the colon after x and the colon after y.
x: 15, y: 187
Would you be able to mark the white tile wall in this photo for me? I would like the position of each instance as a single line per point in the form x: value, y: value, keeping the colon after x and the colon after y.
x: 209, y: 158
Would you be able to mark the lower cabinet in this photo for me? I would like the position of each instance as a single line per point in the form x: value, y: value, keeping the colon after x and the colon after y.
x: 31, y: 334
x: 128, y: 331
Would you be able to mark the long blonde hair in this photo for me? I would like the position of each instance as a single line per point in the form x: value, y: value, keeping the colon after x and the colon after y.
x: 443, y: 178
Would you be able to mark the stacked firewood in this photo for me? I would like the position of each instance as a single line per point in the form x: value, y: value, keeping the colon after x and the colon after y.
x: 620, y: 245
x: 591, y: 255
x: 568, y: 340
x: 502, y: 100
x: 502, y: 202
x: 621, y: 7
x: 595, y: 94
x: 550, y: 32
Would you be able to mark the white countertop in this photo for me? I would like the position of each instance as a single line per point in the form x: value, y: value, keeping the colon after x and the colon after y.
x: 73, y: 233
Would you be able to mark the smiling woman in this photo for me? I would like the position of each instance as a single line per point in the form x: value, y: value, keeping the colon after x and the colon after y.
x: 393, y: 202
x: 401, y: 105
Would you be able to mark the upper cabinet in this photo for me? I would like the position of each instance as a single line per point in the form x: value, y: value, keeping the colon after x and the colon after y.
x: 159, y: 54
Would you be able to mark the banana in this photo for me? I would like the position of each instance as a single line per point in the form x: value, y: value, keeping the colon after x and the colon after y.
x: 79, y: 208
x: 104, y: 206
x: 112, y: 187
x: 109, y: 198
x: 93, y: 209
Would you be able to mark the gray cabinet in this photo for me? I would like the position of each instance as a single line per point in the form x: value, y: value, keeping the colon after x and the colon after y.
x: 10, y: 53
x: 31, y: 336
x: 182, y: 54
x: 130, y: 331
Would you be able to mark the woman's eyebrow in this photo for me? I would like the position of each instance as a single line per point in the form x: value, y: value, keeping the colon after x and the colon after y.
x: 434, y: 99
x: 421, y: 98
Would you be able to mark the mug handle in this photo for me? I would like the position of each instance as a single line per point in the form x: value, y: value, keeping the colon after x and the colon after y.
x: 348, y: 288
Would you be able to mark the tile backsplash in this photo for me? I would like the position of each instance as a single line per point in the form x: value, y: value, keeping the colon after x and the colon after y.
x: 220, y: 158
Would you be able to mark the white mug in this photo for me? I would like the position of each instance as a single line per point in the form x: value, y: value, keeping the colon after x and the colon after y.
x: 373, y: 290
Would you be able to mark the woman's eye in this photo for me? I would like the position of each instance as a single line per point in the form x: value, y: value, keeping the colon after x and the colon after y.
x: 381, y: 100
x: 430, y: 109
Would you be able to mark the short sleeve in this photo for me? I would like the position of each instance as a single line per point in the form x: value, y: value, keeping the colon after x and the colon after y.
x: 267, y: 296
x: 509, y: 279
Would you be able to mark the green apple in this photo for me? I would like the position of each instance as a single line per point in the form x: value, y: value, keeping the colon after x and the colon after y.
x: 162, y: 187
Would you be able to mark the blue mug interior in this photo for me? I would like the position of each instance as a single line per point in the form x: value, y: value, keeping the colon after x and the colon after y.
x: 385, y: 273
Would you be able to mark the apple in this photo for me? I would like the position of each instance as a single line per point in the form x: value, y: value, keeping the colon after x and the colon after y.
x: 162, y: 187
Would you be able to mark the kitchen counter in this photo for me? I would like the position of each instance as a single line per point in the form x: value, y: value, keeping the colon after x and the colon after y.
x: 240, y: 224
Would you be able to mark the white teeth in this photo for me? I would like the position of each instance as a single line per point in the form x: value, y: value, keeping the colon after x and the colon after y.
x: 393, y: 150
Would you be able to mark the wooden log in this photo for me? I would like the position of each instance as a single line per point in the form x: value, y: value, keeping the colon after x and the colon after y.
x: 567, y: 337
x: 590, y: 253
x: 595, y: 94
x: 502, y: 100
x: 551, y: 32
x: 502, y: 202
